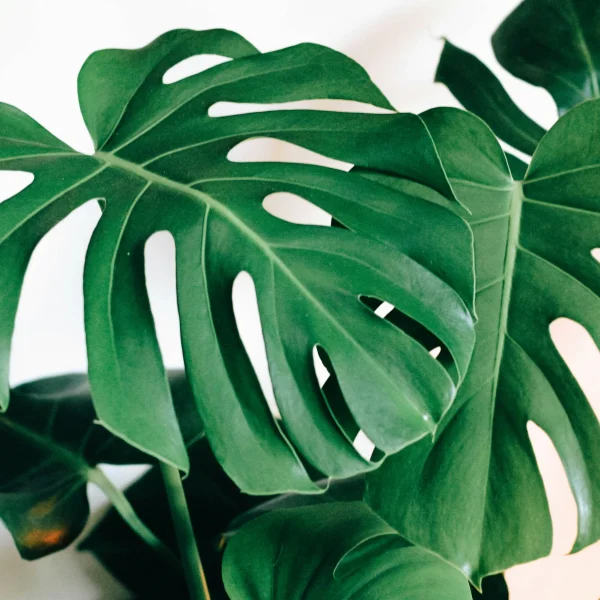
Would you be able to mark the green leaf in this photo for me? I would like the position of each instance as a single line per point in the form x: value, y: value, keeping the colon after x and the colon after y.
x: 161, y: 164
x: 213, y: 499
x: 337, y: 551
x: 554, y: 44
x: 480, y: 92
x: 217, y: 507
x: 50, y: 447
x: 475, y: 496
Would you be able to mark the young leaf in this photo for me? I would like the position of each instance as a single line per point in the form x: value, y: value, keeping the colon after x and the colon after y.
x: 480, y: 92
x: 554, y: 44
x: 475, y: 496
x: 51, y: 446
x: 161, y: 164
x: 339, y: 551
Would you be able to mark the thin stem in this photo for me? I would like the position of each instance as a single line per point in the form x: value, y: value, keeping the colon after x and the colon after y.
x: 194, y: 573
x: 124, y: 508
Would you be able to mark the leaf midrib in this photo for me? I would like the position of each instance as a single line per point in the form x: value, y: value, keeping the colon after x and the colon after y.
x: 120, y: 163
x: 512, y: 247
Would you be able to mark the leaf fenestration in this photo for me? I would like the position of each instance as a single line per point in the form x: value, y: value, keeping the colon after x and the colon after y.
x: 161, y: 164
x: 479, y: 481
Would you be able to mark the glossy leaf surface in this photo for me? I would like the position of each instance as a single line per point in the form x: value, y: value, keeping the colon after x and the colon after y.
x: 479, y: 481
x: 161, y: 164
x: 339, y: 551
x: 50, y: 445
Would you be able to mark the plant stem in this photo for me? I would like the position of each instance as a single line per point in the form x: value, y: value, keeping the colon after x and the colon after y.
x: 190, y: 556
x: 124, y: 508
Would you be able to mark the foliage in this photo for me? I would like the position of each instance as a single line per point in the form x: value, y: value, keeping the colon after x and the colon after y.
x: 54, y: 446
x: 161, y: 164
x: 339, y: 551
x: 559, y: 52
x: 433, y: 218
x: 479, y: 481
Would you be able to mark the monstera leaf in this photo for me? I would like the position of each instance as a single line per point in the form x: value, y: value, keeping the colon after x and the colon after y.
x: 51, y: 447
x: 217, y: 508
x: 161, y: 164
x: 337, y: 551
x: 549, y: 43
x: 475, y: 496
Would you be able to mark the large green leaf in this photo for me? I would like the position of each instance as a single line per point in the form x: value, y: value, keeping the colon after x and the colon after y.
x: 554, y: 44
x: 50, y: 446
x: 337, y: 551
x: 161, y: 164
x: 475, y: 496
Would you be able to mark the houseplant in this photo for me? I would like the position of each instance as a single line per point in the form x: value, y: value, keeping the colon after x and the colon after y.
x: 444, y: 171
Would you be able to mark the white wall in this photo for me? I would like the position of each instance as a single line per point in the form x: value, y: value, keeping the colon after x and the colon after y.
x: 42, y: 45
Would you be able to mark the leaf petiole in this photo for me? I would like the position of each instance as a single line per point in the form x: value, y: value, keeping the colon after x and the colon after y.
x: 124, y: 508
x: 192, y: 565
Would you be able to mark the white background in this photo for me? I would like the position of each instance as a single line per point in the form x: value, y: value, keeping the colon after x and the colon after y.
x: 42, y: 46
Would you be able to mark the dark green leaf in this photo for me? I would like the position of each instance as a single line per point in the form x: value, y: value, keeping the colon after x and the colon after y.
x: 50, y: 443
x: 339, y: 551
x: 214, y: 501
x: 554, y: 44
x: 161, y: 164
x: 217, y: 509
x: 494, y: 588
x: 480, y: 92
x: 479, y: 483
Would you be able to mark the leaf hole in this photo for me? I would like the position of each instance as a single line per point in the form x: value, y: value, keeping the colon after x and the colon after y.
x: 580, y: 353
x: 192, y: 66
x: 596, y: 254
x: 563, y: 508
x: 263, y: 149
x: 48, y: 339
x: 295, y: 209
x: 161, y: 287
x: 436, y: 348
x: 321, y: 371
x: 338, y: 408
x: 13, y: 182
x: 363, y: 445
x: 247, y: 320
x: 435, y: 352
x: 227, y: 109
